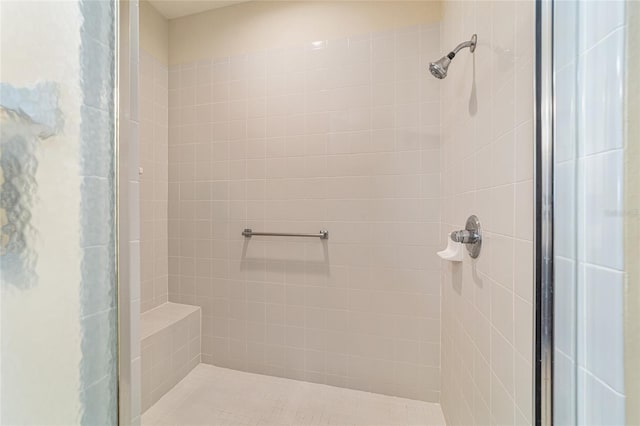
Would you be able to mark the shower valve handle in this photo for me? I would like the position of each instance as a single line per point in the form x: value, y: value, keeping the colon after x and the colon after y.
x: 465, y: 237
x: 471, y: 235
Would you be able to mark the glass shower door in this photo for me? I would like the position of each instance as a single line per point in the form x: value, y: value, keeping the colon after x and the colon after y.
x: 58, y: 359
x: 590, y: 212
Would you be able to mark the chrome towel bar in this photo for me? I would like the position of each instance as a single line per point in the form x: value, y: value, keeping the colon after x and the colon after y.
x: 248, y: 233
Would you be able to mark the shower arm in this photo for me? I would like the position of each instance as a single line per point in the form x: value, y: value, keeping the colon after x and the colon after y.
x: 471, y: 44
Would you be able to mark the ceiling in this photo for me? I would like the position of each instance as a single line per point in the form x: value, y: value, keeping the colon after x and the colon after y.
x: 176, y: 8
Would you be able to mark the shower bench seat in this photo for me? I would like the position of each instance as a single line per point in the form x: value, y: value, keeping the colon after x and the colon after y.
x: 170, y: 348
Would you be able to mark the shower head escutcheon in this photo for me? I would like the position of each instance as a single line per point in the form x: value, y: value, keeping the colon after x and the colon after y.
x: 439, y: 68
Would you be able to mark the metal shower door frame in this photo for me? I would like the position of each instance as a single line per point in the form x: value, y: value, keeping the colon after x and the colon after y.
x: 543, y: 226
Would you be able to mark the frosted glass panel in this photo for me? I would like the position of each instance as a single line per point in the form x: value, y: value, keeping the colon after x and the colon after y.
x: 589, y: 61
x: 57, y: 213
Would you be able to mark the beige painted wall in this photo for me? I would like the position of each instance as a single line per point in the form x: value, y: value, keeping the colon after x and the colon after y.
x: 270, y: 24
x: 154, y: 32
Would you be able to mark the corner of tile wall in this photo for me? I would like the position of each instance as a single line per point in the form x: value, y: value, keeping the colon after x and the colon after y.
x: 153, y: 174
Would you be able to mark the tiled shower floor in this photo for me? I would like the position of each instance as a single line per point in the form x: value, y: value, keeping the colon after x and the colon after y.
x: 218, y: 396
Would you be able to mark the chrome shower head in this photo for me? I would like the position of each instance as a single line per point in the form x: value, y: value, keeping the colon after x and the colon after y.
x: 440, y: 67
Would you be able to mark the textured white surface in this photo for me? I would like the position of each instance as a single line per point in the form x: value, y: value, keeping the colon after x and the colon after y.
x: 218, y: 396
x: 57, y: 305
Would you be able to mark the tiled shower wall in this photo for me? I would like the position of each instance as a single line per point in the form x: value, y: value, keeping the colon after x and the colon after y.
x: 153, y: 182
x: 487, y: 170
x: 339, y: 134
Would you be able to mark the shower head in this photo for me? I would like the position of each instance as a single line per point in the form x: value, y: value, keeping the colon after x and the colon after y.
x: 440, y: 67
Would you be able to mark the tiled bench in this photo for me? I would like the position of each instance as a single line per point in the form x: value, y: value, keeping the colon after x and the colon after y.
x: 170, y: 344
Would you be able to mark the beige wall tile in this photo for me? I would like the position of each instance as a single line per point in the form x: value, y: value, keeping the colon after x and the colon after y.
x: 296, y: 140
x: 486, y: 303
